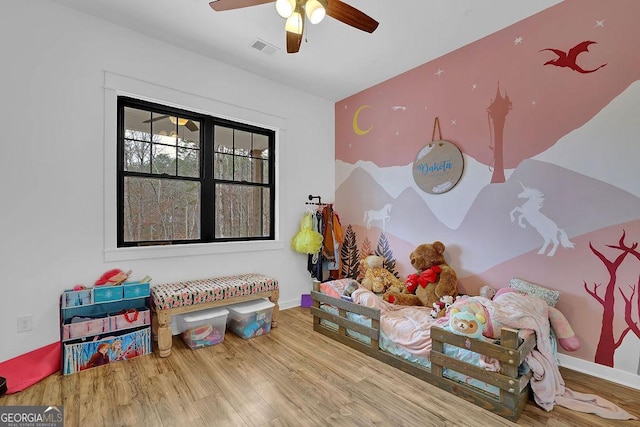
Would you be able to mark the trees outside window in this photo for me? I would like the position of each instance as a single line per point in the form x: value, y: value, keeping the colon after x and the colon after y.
x: 185, y: 177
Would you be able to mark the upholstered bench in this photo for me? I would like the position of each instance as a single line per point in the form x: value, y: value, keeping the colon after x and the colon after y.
x: 193, y: 295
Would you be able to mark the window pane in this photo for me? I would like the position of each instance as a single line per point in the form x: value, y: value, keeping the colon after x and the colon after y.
x: 240, y: 211
x: 188, y: 162
x: 241, y: 156
x: 137, y: 156
x: 223, y: 166
x: 137, y: 121
x: 242, y: 169
x: 161, y: 209
x: 265, y: 171
x: 164, y: 159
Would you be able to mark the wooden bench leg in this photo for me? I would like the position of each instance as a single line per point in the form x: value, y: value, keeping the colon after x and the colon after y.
x: 276, y: 309
x: 165, y: 338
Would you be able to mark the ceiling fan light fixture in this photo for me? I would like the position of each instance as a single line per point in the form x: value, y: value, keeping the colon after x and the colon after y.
x: 285, y: 8
x: 294, y: 23
x: 315, y: 11
x: 179, y: 120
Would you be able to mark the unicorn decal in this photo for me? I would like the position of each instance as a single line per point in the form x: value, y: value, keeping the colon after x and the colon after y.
x: 379, y: 215
x: 530, y: 210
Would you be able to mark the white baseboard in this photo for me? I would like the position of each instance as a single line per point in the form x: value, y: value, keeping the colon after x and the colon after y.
x: 289, y: 304
x: 614, y: 375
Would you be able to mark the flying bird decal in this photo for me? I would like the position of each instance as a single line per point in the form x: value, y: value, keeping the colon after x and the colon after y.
x: 569, y: 59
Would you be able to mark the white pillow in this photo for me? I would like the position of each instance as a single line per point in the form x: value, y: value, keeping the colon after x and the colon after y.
x: 550, y: 296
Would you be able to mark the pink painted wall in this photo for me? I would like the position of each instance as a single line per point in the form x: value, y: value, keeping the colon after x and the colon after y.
x: 569, y: 135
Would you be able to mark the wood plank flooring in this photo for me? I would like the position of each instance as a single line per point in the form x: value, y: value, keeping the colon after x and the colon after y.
x: 290, y: 377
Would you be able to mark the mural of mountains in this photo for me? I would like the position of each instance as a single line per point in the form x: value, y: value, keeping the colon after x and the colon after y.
x: 466, y: 223
x: 595, y: 204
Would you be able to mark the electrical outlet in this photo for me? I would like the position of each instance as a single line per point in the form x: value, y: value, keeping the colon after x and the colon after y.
x: 25, y: 323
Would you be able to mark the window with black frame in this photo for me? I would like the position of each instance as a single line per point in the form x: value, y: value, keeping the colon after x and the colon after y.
x: 185, y: 177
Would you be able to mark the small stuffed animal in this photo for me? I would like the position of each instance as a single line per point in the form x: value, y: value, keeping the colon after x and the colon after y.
x: 377, y: 278
x: 440, y: 307
x: 113, y: 277
x: 434, y: 278
x: 466, y: 323
x: 350, y: 288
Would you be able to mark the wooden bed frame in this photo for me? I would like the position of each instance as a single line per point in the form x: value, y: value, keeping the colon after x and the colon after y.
x: 514, y: 388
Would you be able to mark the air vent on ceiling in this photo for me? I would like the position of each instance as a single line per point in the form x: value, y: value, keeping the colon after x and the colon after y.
x: 264, y: 47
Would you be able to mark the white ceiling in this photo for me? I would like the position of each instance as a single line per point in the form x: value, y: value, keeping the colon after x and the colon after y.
x: 335, y: 60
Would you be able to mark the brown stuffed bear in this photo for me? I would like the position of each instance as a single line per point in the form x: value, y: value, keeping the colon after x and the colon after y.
x: 377, y: 278
x: 434, y: 278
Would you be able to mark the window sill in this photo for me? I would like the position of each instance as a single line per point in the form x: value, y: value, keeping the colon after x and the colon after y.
x: 193, y: 249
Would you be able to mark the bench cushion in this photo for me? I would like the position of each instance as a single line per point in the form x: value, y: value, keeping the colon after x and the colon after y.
x: 189, y: 292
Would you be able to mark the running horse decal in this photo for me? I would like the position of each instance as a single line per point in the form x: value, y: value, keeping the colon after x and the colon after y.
x: 530, y: 210
x: 379, y: 215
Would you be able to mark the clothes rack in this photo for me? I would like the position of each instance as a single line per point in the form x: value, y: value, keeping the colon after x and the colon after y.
x: 318, y: 203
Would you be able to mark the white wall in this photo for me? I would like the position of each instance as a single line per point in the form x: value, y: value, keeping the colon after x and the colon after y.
x: 57, y: 72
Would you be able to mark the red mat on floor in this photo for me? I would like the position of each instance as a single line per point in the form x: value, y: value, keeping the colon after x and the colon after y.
x: 27, y: 369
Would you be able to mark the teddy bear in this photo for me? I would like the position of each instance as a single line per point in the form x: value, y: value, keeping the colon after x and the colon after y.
x: 434, y: 278
x: 377, y: 278
x: 467, y: 324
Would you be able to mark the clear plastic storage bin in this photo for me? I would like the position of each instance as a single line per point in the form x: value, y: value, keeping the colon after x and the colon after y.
x: 203, y: 328
x: 251, y: 318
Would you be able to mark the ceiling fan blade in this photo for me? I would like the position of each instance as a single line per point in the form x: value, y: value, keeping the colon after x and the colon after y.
x: 191, y: 126
x: 221, y: 5
x: 351, y: 16
x: 156, y: 119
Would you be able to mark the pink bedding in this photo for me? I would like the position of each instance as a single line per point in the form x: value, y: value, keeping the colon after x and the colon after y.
x: 520, y: 311
x: 408, y: 327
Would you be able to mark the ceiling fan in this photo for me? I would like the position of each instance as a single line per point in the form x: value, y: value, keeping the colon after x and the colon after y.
x: 295, y: 10
x: 189, y: 124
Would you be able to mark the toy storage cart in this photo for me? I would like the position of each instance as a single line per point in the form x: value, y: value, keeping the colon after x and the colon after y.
x: 103, y: 325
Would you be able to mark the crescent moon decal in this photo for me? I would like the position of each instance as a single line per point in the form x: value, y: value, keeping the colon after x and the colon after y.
x: 356, y: 128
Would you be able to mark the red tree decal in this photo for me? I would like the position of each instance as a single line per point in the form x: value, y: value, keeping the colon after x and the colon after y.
x: 608, y: 342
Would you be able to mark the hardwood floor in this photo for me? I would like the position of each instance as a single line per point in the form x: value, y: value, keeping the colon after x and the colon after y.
x: 290, y: 377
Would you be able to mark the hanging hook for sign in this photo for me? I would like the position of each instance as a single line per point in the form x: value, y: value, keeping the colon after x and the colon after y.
x: 436, y: 125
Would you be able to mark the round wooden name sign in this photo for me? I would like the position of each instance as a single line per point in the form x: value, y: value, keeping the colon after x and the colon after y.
x: 438, y: 167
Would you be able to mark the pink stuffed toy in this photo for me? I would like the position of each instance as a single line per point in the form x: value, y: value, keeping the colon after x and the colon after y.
x: 113, y: 277
x: 564, y: 332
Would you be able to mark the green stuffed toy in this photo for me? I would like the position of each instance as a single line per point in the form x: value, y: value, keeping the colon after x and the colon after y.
x: 466, y: 323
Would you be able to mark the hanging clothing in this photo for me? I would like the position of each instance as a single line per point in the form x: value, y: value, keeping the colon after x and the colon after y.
x: 315, y: 262
x: 307, y: 240
x: 327, y: 223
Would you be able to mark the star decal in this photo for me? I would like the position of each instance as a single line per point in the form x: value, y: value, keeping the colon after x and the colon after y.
x: 453, y: 122
x: 599, y: 24
x: 439, y: 72
x: 474, y: 86
x: 517, y: 40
